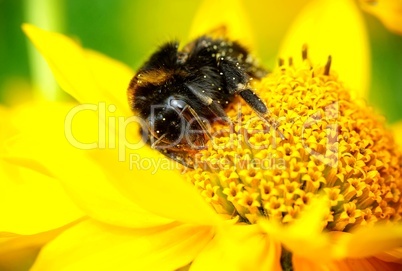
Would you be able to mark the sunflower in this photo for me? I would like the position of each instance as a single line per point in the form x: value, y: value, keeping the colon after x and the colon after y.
x: 324, y: 196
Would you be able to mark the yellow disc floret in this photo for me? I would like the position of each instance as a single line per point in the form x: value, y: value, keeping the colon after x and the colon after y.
x: 316, y: 140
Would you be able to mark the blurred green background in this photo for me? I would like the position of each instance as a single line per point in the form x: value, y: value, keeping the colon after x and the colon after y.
x: 130, y: 30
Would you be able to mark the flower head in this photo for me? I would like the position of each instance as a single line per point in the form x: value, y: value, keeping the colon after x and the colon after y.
x: 331, y: 145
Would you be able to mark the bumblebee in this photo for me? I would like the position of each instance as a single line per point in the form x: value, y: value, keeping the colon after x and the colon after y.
x: 178, y: 93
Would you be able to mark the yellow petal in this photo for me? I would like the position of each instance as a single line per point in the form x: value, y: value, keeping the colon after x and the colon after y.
x: 95, y: 193
x: 368, y: 264
x: 7, y: 129
x: 239, y: 248
x: 388, y: 11
x: 94, y: 246
x: 333, y: 28
x: 19, y: 252
x: 154, y: 183
x: 42, y: 147
x: 394, y: 255
x: 86, y: 184
x: 397, y: 130
x: 31, y: 202
x: 368, y: 242
x: 212, y: 16
x: 88, y: 76
x: 156, y: 189
x: 304, y: 237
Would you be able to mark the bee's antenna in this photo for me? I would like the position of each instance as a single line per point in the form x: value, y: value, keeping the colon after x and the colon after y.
x: 154, y: 144
x: 260, y: 109
x: 198, y: 119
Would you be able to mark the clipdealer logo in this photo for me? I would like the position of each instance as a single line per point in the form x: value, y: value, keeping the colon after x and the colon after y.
x: 111, y: 129
x: 122, y: 133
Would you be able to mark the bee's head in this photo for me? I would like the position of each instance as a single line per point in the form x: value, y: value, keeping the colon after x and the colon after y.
x: 173, y: 125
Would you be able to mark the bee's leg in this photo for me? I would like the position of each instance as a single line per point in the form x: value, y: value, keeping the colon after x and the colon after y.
x: 260, y: 109
x: 236, y: 82
x: 253, y: 100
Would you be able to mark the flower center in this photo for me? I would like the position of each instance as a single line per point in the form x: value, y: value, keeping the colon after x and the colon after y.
x: 317, y: 140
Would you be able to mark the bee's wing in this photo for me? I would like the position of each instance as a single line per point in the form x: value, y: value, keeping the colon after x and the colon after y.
x: 215, y: 108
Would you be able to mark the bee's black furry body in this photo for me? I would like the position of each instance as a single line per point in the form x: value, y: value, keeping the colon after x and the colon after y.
x: 198, y: 82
